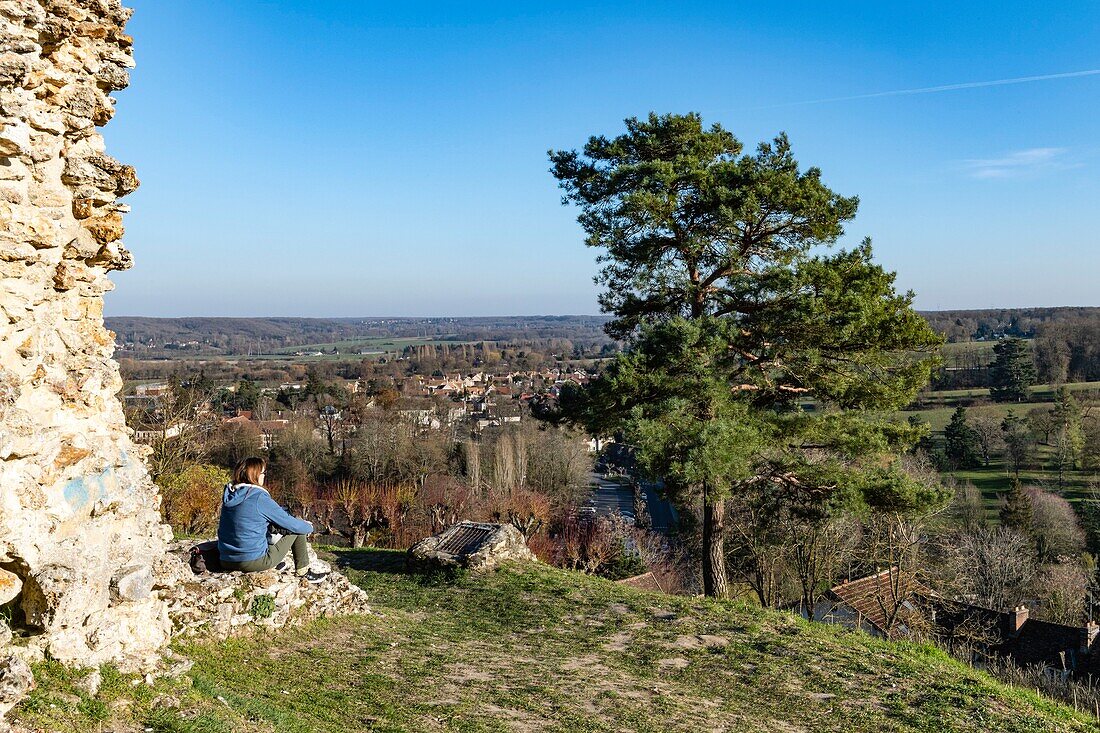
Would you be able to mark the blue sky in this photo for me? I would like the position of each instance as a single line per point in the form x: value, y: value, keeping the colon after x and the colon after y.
x: 331, y: 158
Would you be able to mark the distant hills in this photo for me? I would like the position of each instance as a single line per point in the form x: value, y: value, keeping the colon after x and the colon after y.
x: 269, y: 335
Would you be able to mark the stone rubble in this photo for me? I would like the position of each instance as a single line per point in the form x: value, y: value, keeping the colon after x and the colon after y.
x: 16, y: 681
x: 220, y: 605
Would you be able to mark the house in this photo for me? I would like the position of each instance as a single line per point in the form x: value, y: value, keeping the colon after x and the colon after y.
x: 869, y: 603
x: 267, y: 430
x: 422, y: 419
x: 151, y: 436
x: 886, y: 604
x: 1027, y: 641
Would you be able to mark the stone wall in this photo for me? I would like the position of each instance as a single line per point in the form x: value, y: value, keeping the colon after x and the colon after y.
x: 80, y: 532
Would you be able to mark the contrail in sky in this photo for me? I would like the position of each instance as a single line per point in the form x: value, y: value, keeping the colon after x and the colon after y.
x: 949, y: 87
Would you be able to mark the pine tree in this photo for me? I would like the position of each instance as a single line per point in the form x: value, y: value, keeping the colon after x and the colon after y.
x: 1011, y: 372
x: 732, y: 313
x: 963, y: 448
x: 1016, y: 512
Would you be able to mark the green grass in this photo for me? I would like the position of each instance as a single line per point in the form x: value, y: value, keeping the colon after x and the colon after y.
x: 996, y: 478
x: 984, y: 348
x: 993, y: 480
x: 532, y: 648
x: 1039, y: 393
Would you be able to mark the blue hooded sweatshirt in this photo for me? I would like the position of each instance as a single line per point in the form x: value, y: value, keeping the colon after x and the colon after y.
x: 247, y: 513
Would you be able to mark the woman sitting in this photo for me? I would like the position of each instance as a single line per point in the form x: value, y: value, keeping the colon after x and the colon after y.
x: 248, y: 513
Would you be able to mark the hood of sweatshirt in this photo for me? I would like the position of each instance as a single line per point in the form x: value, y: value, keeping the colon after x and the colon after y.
x: 233, y: 495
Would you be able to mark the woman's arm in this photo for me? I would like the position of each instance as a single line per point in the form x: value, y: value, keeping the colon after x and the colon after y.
x: 278, y: 516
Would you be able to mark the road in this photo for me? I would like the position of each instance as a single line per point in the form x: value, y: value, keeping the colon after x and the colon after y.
x: 610, y: 496
x: 661, y: 511
x: 615, y: 496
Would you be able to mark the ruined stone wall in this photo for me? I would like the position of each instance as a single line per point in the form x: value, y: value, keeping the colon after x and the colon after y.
x: 80, y: 533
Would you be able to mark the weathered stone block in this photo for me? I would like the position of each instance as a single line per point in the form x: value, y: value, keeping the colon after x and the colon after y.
x: 133, y: 583
x: 472, y: 545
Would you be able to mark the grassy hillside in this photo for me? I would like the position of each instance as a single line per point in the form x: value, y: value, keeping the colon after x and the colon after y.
x: 537, y: 649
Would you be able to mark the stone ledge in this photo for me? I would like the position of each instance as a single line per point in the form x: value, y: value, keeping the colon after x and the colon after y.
x: 224, y: 604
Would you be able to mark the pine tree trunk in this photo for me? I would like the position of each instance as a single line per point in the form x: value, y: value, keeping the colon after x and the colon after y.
x: 715, y: 583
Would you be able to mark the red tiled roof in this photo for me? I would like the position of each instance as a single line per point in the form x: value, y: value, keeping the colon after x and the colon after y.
x: 645, y: 581
x: 874, y: 596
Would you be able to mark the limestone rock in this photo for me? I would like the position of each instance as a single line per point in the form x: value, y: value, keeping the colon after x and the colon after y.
x: 133, y: 583
x: 16, y: 681
x: 10, y: 585
x: 79, y: 518
x: 472, y: 545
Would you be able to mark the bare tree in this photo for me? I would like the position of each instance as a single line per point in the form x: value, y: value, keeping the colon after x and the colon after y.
x: 558, y: 462
x: 968, y: 507
x: 472, y: 453
x: 894, y: 545
x: 1043, y: 422
x: 445, y: 499
x: 757, y: 546
x: 527, y: 511
x: 505, y: 477
x: 994, y: 567
x: 176, y: 427
x: 360, y: 513
x: 818, y: 549
x: 1061, y: 588
x: 986, y: 425
x: 1054, y: 525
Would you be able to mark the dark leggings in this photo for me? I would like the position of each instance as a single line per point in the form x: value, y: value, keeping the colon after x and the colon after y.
x: 275, y: 553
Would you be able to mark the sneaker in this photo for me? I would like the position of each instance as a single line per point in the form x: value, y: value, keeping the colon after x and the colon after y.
x: 283, y: 565
x: 312, y: 577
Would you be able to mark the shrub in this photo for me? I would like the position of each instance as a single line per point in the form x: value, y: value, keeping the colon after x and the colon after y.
x: 192, y: 498
x: 1054, y: 526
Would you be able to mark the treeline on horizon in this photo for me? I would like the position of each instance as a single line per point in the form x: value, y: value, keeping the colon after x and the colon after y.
x: 993, y: 323
x: 236, y: 336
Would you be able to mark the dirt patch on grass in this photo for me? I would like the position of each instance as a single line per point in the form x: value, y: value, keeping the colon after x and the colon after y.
x: 520, y: 721
x: 672, y: 664
x: 699, y: 641
x: 619, y: 642
x: 465, y: 674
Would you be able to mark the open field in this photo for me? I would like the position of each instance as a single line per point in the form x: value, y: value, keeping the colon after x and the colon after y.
x: 381, y: 344
x: 532, y: 648
x: 982, y: 348
x: 1038, y: 393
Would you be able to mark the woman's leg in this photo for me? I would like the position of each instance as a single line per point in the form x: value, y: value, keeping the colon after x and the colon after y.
x: 301, y: 553
x: 275, y: 554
